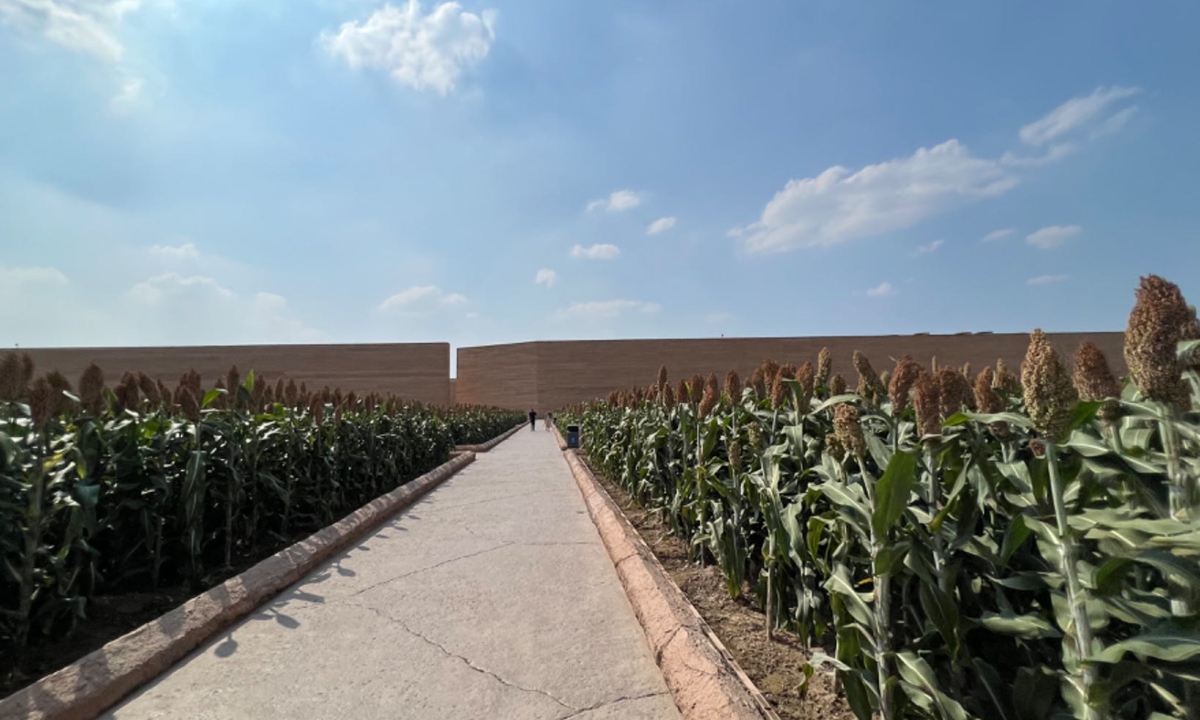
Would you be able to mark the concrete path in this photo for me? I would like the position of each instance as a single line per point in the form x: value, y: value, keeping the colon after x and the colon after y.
x: 490, y: 598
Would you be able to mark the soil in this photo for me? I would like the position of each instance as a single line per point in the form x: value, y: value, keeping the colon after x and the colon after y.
x: 775, y: 666
x: 111, y: 616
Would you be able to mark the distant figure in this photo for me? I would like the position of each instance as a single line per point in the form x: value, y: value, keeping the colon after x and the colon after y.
x: 549, y: 420
x: 532, y: 419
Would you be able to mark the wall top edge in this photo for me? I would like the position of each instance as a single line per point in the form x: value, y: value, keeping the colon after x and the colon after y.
x: 817, y: 338
x: 260, y: 346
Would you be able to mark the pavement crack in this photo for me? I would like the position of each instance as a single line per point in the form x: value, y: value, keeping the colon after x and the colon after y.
x: 607, y: 703
x: 466, y: 661
x: 430, y: 567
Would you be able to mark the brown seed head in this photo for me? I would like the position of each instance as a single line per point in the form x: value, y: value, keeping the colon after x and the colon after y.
x: 188, y: 403
x: 779, y: 390
x: 954, y: 391
x: 221, y: 402
x: 903, y: 379
x: 824, y: 367
x: 662, y: 377
x: 848, y: 429
x: 1160, y: 319
x: 164, y: 392
x: 11, y: 387
x: 1094, y: 380
x: 291, y: 393
x: 837, y: 385
x: 1038, y: 447
x: 770, y: 369
x: 758, y: 381
x: 668, y: 396
x: 754, y: 435
x: 1005, y: 381
x: 41, y: 402
x: 1049, y: 396
x: 870, y: 386
x: 986, y: 399
x: 735, y: 456
x: 927, y: 401
x: 807, y: 378
x: 696, y: 386
x: 834, y: 447
x: 149, y: 389
x: 58, y: 386
x: 712, y: 396
x: 317, y: 408
x: 733, y: 387
x: 91, y: 389
x: 966, y: 370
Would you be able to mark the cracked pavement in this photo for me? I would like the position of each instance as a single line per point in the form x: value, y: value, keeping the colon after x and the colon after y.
x: 492, y: 597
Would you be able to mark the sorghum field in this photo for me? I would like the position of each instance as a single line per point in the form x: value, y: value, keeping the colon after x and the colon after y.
x: 955, y: 544
x: 139, y: 488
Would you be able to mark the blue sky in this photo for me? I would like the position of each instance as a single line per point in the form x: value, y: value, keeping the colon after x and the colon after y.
x: 227, y: 171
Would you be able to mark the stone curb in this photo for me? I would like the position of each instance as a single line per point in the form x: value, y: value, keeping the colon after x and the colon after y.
x: 490, y: 443
x: 703, y: 677
x: 98, y: 681
x: 562, y: 441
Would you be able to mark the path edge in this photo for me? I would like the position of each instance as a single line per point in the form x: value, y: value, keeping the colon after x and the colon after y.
x: 101, y: 679
x: 484, y: 447
x: 704, y: 679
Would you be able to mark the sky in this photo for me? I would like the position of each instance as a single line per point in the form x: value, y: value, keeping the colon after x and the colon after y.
x: 181, y: 172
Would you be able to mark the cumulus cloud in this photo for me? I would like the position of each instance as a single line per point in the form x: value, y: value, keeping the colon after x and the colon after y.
x: 617, y: 201
x: 12, y: 280
x: 1052, y: 236
x: 1053, y: 154
x: 841, y: 205
x: 660, y: 225
x: 84, y: 26
x: 929, y: 247
x: 882, y: 290
x: 128, y: 98
x: 1077, y: 113
x: 199, y: 310
x: 421, y: 300
x: 600, y: 251
x: 997, y: 234
x: 1046, y: 279
x: 175, y: 253
x: 422, y: 51
x: 546, y: 277
x: 606, y: 309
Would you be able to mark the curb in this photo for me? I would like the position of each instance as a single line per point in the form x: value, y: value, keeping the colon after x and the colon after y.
x: 703, y: 677
x: 482, y: 448
x: 562, y: 441
x: 99, y: 680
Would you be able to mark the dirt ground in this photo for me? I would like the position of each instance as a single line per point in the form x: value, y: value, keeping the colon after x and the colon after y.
x: 775, y: 666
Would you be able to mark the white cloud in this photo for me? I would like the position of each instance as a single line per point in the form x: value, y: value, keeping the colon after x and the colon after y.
x: 422, y: 300
x: 1052, y: 236
x: 422, y: 51
x: 997, y: 234
x: 129, y: 98
x: 601, y: 251
x: 1053, y: 154
x: 546, y: 277
x: 1046, y: 279
x: 175, y: 253
x: 882, y: 290
x: 14, y: 279
x: 606, y: 309
x: 1074, y: 114
x: 617, y: 201
x: 85, y: 26
x: 198, y: 310
x: 838, y: 205
x: 660, y: 225
x: 929, y: 247
x: 1114, y: 123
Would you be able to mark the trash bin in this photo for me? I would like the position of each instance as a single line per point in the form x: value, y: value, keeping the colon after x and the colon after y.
x: 572, y: 436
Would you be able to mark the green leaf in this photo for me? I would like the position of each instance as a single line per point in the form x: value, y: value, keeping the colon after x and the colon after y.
x: 1029, y: 627
x: 892, y: 492
x: 917, y: 672
x: 1017, y: 533
x: 1085, y: 411
x: 942, y: 611
x: 1034, y: 692
x: 1172, y: 645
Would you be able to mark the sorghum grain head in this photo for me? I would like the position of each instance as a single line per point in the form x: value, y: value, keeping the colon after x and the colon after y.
x: 733, y: 387
x: 1158, y: 322
x: 807, y: 378
x: 905, y: 376
x: 1049, y: 395
x: 824, y: 367
x: 778, y: 390
x: 40, y: 402
x: 91, y: 389
x: 834, y: 447
x: 954, y: 391
x: 848, y: 430
x: 758, y: 381
x: 837, y: 385
x: 11, y: 388
x: 868, y: 380
x: 662, y: 377
x: 986, y: 399
x: 927, y: 401
x: 1094, y: 380
x: 668, y: 396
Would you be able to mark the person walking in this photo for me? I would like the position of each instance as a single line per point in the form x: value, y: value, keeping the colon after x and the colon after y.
x: 549, y: 420
x: 533, y: 419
